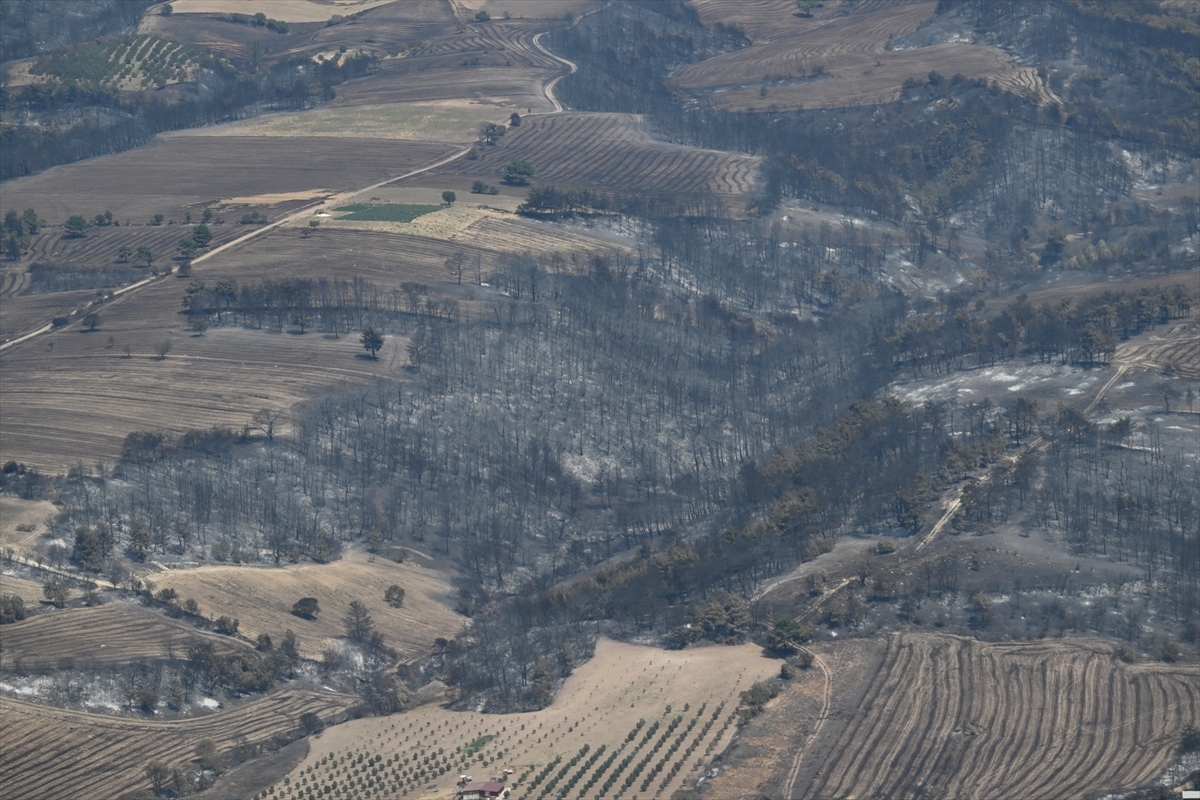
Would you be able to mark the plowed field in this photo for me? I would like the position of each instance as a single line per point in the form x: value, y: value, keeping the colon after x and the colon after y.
x: 605, y: 153
x: 951, y: 717
x: 50, y: 754
x: 114, y: 633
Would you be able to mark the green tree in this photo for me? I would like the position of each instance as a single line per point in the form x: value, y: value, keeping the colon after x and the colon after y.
x: 202, y: 235
x: 146, y: 254
x: 208, y: 756
x: 76, y: 226
x: 514, y: 119
x: 359, y: 624
x: 91, y: 321
x: 159, y: 774
x: 32, y: 223
x: 158, y: 219
x: 787, y: 634
x: 372, y: 339
x: 519, y: 172
x: 13, y: 224
x: 448, y: 197
x: 161, y: 348
x: 186, y: 247
x: 124, y: 254
x: 489, y: 132
x: 199, y: 324
x: 394, y: 595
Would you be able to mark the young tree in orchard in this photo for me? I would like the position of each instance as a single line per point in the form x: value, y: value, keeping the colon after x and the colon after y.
x: 372, y: 340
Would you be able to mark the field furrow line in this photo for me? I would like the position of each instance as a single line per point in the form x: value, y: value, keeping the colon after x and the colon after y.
x: 878, y: 716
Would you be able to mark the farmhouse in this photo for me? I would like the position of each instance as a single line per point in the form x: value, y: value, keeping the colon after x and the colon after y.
x: 481, y: 789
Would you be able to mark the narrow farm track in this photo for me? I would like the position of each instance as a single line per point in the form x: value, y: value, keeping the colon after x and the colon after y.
x: 107, y: 753
x: 953, y: 717
x: 789, y: 787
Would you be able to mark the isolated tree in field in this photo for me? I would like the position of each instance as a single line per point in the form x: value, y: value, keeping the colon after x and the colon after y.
x: 158, y: 219
x: 372, y: 340
x: 209, y: 756
x: 806, y: 6
x: 306, y: 607
x: 448, y: 197
x: 358, y: 622
x: 199, y: 324
x: 186, y: 247
x: 514, y: 119
x: 202, y: 235
x: 55, y: 592
x: 313, y: 224
x: 518, y: 172
x: 91, y: 321
x: 311, y: 722
x: 489, y: 132
x: 161, y: 348
x: 394, y: 595
x: 124, y: 254
x: 76, y: 226
x: 482, y: 16
x: 146, y: 254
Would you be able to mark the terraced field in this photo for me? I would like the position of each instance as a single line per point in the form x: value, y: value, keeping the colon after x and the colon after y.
x: 114, y: 633
x: 838, y: 57
x: 107, y: 754
x: 605, y: 153
x: 953, y: 717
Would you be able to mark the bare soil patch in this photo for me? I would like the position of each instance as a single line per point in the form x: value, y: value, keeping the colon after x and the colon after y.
x: 262, y: 598
x: 282, y: 10
x: 599, y: 705
x: 52, y: 753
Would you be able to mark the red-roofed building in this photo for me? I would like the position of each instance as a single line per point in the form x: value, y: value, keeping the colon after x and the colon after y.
x: 481, y: 789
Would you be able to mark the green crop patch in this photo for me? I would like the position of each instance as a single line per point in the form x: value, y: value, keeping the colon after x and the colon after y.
x: 479, y: 744
x: 386, y: 212
x: 124, y: 63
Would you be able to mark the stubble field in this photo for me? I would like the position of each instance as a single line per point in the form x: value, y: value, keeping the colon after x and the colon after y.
x: 262, y: 598
x: 52, y: 753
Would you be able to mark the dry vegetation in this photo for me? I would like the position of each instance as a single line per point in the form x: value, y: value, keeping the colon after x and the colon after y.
x: 22, y: 522
x: 838, y: 57
x: 946, y: 716
x: 106, y: 754
x: 262, y: 599
x: 598, y: 706
x: 283, y: 10
x: 114, y: 633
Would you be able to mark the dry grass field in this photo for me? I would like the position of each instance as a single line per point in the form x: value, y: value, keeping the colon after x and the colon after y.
x: 180, y: 173
x: 283, y: 10
x: 945, y: 716
x: 838, y: 57
x: 22, y: 522
x: 262, y: 599
x: 114, y: 633
x: 51, y: 753
x: 600, y: 705
x: 604, y: 153
x: 29, y: 591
